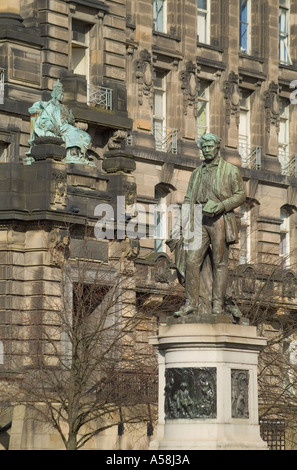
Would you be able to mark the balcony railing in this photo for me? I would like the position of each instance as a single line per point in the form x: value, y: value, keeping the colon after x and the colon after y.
x: 100, y: 96
x: 250, y: 158
x: 2, y: 85
x: 166, y: 139
x: 288, y: 163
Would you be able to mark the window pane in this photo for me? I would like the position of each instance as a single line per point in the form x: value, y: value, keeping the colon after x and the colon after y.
x: 159, y: 15
x: 202, y: 114
x: 244, y: 25
x: 79, y: 60
x: 203, y: 89
x: 202, y: 27
x: 243, y: 125
x: 243, y: 11
x: 243, y: 37
x: 202, y: 4
x: 79, y: 31
x: 158, y: 104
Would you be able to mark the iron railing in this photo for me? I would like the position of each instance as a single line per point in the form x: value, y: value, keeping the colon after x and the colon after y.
x: 100, y: 96
x: 288, y: 164
x: 273, y: 432
x: 250, y: 158
x: 165, y: 139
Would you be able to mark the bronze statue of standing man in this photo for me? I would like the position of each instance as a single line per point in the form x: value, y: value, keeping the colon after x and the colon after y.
x: 218, y: 187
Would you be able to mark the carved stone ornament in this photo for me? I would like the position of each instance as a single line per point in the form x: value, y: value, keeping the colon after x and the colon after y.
x: 162, y: 270
x: 232, y: 97
x: 59, y: 188
x: 190, y: 393
x: 272, y: 109
x: 115, y: 141
x: 190, y: 87
x: 240, y: 393
x: 59, y: 246
x: 144, y: 75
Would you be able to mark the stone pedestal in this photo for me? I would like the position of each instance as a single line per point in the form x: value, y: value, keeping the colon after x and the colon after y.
x: 208, y: 387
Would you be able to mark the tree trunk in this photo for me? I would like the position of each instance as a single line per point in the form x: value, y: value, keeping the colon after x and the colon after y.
x: 72, y: 442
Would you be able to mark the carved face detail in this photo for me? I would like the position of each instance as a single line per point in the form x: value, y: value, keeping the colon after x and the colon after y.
x: 210, y: 150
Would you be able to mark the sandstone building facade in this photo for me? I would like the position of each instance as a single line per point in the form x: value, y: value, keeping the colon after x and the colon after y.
x: 146, y: 79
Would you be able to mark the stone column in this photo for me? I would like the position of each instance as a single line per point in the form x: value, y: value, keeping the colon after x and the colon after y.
x: 208, y: 396
x: 10, y: 11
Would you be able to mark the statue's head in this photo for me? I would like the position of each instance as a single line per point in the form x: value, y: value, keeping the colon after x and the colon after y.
x: 210, y: 146
x: 57, y: 93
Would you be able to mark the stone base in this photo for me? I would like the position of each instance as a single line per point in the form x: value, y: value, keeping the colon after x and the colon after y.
x: 208, y: 387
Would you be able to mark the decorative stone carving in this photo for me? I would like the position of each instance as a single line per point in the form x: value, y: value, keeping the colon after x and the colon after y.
x: 240, y: 393
x: 59, y: 188
x: 190, y: 87
x: 289, y: 285
x: 162, y: 270
x: 190, y: 393
x: 272, y: 110
x: 129, y: 191
x: 144, y: 75
x: 232, y: 97
x: 133, y: 248
x: 59, y: 246
x: 115, y: 141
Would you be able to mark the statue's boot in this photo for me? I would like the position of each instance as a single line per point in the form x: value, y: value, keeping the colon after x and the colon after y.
x: 217, y: 308
x: 184, y: 310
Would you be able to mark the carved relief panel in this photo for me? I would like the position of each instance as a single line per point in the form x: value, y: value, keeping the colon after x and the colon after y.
x: 232, y: 97
x: 144, y: 75
x: 240, y: 393
x: 190, y: 393
x: 272, y: 108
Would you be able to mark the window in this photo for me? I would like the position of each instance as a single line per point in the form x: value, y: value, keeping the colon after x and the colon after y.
x: 165, y: 138
x: 203, y: 28
x: 244, y: 128
x: 2, y: 81
x: 203, y: 110
x: 283, y: 136
x: 160, y: 15
x: 160, y: 222
x: 245, y: 235
x: 284, y: 239
x: 245, y: 26
x: 80, y: 48
x: 3, y: 151
x: 284, y: 37
x: 159, y: 108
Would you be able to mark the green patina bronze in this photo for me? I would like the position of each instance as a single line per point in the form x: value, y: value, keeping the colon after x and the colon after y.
x: 218, y: 187
x: 53, y: 119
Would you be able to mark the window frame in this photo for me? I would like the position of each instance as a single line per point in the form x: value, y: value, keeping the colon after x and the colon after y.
x: 160, y: 16
x: 285, y: 242
x: 82, y: 45
x: 161, y: 228
x: 284, y: 147
x: 205, y: 100
x: 244, y: 140
x: 204, y: 15
x: 284, y: 34
x: 159, y: 121
x: 245, y: 230
x: 246, y: 47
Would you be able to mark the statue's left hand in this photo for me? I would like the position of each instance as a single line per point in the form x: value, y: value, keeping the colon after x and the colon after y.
x: 218, y: 208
